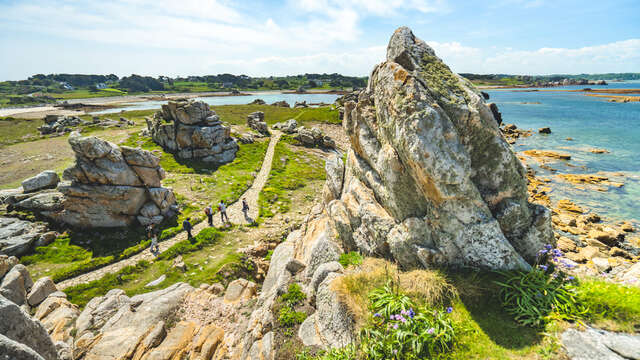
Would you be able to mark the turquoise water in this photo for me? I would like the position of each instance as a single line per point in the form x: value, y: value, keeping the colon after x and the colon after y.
x: 592, y: 123
x: 232, y: 100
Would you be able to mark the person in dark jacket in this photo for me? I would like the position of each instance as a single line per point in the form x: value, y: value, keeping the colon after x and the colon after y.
x: 186, y: 225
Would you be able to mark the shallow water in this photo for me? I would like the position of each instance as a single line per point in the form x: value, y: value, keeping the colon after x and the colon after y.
x: 592, y: 122
x: 231, y: 100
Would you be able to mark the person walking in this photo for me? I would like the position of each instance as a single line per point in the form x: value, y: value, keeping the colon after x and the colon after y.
x: 186, y: 225
x: 223, y: 211
x: 245, y: 209
x: 209, y: 212
x: 154, y: 244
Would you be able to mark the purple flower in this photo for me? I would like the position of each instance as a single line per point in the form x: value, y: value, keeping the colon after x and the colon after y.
x: 377, y: 315
x: 548, y: 247
x: 395, y: 351
x: 557, y: 253
x: 395, y: 326
x: 543, y: 267
x: 449, y: 310
x: 570, y: 278
x: 411, y: 313
x: 431, y: 331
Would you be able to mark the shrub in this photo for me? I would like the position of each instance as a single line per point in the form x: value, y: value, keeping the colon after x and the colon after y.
x: 350, y: 258
x: 289, y: 317
x: 544, y: 293
x: 400, y: 330
x: 293, y: 296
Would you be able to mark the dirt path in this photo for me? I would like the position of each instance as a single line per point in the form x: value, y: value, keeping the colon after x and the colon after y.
x: 235, y: 216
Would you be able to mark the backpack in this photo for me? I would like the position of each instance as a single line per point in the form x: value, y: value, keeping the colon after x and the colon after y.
x: 186, y: 225
x: 207, y: 210
x: 219, y: 207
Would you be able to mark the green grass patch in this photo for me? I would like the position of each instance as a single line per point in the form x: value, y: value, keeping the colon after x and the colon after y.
x: 291, y: 170
x: 237, y: 114
x: 350, y: 258
x: 613, y: 302
x: 14, y: 131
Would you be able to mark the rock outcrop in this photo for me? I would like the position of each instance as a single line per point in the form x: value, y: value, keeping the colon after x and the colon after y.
x: 428, y: 180
x: 290, y: 126
x: 191, y: 130
x: 45, y: 180
x: 17, y: 237
x: 313, y: 138
x: 255, y: 121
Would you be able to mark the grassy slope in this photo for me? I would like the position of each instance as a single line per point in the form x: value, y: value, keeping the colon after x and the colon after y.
x: 237, y: 114
x: 291, y: 169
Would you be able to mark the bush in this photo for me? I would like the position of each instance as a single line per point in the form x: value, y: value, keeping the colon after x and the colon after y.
x: 400, y: 330
x: 288, y: 317
x: 350, y: 258
x: 293, y: 296
x: 535, y: 297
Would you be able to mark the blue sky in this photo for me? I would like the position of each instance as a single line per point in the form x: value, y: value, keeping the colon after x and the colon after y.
x: 197, y: 37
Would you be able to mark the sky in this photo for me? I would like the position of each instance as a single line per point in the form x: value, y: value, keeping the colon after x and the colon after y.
x: 287, y: 37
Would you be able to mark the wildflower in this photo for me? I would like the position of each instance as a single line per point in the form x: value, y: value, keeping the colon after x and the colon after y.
x: 404, y: 312
x: 543, y: 267
x: 377, y: 315
x: 431, y: 331
x: 557, y: 253
x: 403, y: 319
x: 570, y: 278
x: 542, y: 252
x: 411, y: 313
x: 449, y: 310
x: 395, y: 351
x: 395, y: 326
x: 548, y: 247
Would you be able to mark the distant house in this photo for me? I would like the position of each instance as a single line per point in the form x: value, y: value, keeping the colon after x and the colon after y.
x: 227, y: 84
x: 101, y: 86
x: 65, y: 85
x: 317, y: 81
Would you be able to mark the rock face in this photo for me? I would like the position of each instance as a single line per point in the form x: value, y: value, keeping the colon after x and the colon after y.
x: 192, y: 131
x: 255, y: 121
x: 112, y: 186
x: 21, y: 336
x: 599, y: 344
x: 429, y: 178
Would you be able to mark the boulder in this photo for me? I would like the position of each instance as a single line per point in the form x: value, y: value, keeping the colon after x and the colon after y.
x: 314, y: 138
x: 257, y: 102
x: 45, y: 180
x: 239, y: 290
x: 281, y: 104
x: 17, y: 326
x: 18, y: 236
x: 544, y: 130
x: 288, y: 126
x: 15, y: 284
x: 190, y: 129
x: 255, y: 121
x: 40, y: 290
x: 6, y: 263
x: 599, y: 344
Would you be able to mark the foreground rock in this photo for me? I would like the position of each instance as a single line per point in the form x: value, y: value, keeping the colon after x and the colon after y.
x: 191, y: 130
x: 22, y: 337
x: 45, y: 180
x: 598, y: 344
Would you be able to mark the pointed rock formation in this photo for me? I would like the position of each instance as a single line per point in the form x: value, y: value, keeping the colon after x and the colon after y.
x: 429, y: 177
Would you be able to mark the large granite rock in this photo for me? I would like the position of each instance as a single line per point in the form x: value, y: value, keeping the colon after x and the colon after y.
x: 599, y: 344
x: 429, y: 178
x: 191, y: 130
x: 108, y: 186
x: 45, y: 180
x: 16, y: 284
x: 22, y: 336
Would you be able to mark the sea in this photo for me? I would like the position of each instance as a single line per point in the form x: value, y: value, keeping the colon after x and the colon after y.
x: 591, y: 122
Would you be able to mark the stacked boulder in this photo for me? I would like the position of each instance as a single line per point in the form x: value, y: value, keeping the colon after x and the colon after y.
x: 113, y: 186
x: 255, y: 121
x: 108, y: 186
x: 191, y: 130
x: 314, y: 138
x: 290, y: 126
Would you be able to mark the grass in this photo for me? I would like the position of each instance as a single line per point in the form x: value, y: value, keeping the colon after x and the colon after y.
x: 291, y: 169
x: 211, y: 258
x: 350, y: 258
x: 487, y: 331
x: 17, y: 130
x: 237, y: 114
x: 86, y: 94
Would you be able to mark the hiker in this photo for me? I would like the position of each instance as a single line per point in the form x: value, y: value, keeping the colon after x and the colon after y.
x: 186, y: 225
x: 209, y: 212
x: 149, y: 230
x: 154, y: 244
x: 245, y: 208
x: 223, y: 211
